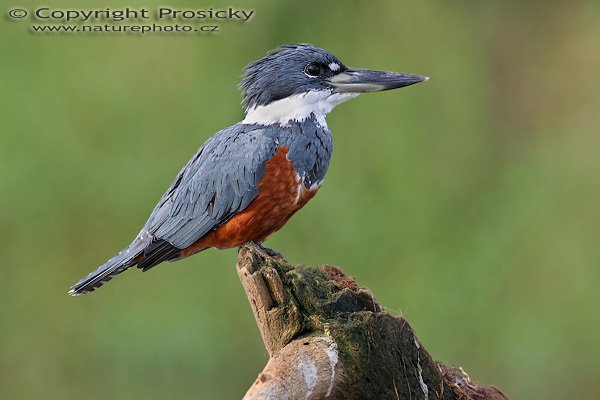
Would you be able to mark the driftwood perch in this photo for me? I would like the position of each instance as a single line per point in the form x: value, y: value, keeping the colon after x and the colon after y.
x: 328, y: 338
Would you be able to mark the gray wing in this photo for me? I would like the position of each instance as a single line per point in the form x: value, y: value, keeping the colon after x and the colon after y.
x: 219, y: 181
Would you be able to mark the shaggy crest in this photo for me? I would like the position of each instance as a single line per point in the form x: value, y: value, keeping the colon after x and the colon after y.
x: 281, y: 74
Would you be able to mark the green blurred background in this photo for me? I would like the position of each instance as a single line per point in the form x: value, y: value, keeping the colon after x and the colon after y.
x: 469, y: 204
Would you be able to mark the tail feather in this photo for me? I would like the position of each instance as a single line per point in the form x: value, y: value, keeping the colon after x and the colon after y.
x: 119, y: 263
x: 157, y: 252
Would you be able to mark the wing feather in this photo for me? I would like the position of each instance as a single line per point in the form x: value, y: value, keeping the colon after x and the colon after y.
x: 219, y: 181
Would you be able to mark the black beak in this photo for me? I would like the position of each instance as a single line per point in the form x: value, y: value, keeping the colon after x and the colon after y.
x: 356, y: 80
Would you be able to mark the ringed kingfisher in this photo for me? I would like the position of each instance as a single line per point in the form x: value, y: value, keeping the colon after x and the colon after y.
x: 246, y: 181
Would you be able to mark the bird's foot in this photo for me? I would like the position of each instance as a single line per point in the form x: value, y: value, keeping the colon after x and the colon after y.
x: 262, y: 250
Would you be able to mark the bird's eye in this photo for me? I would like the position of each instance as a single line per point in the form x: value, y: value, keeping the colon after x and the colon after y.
x: 313, y: 69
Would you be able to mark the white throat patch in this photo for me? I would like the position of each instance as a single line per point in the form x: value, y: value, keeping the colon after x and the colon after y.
x: 297, y: 108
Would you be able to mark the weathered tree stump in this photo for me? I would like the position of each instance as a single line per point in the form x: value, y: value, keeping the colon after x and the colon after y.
x: 328, y: 338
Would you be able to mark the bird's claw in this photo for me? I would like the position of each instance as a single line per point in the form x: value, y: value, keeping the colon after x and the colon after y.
x: 262, y: 250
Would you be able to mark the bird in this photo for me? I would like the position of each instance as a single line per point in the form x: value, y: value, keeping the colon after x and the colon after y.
x: 246, y: 181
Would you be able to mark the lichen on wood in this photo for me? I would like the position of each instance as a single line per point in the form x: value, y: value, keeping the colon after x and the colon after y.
x: 328, y: 338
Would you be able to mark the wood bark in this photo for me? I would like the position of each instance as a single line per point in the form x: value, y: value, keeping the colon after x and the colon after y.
x: 328, y: 338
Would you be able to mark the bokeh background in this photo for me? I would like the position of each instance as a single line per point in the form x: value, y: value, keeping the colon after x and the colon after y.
x: 469, y: 204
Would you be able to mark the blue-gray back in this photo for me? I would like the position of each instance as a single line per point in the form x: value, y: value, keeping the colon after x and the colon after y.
x: 222, y: 177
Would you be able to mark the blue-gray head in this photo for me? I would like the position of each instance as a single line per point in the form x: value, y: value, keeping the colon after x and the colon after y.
x: 296, y: 80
